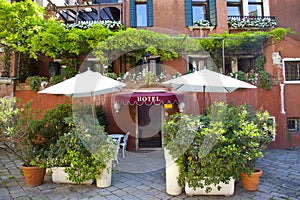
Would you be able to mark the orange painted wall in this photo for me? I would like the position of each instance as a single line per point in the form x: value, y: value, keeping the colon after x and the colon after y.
x: 41, y: 102
x: 257, y: 98
x: 270, y: 101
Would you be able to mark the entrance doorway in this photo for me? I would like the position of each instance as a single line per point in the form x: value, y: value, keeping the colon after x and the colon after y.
x: 149, y: 126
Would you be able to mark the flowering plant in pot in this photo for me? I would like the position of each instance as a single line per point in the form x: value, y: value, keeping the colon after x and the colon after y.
x: 21, y: 136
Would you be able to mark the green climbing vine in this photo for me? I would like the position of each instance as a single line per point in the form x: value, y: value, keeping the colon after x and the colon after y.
x: 264, y: 77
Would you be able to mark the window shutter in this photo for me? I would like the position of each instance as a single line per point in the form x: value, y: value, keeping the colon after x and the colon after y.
x: 212, y: 7
x: 188, y: 12
x: 150, y: 12
x: 132, y: 13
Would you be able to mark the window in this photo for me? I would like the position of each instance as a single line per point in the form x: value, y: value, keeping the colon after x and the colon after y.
x: 154, y: 64
x: 255, y: 7
x: 293, y: 124
x: 199, y: 9
x: 141, y: 13
x: 196, y: 63
x: 234, y: 7
x: 291, y: 69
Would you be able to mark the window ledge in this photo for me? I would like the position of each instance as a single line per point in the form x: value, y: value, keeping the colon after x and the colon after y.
x: 201, y: 27
x: 291, y: 82
x: 252, y: 28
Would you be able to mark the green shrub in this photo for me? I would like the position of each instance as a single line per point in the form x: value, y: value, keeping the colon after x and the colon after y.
x: 56, y: 79
x: 53, y: 122
x: 83, y: 153
x: 218, y: 145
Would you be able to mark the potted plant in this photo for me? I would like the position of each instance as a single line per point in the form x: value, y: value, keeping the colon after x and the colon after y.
x: 20, y: 135
x: 212, y: 149
x: 205, y: 154
x: 254, y: 136
x: 69, y: 160
x: 81, y: 155
x: 177, y: 138
x: 103, y: 149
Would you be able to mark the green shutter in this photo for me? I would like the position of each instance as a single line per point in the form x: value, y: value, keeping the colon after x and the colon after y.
x: 150, y: 12
x: 188, y: 12
x: 132, y: 13
x: 212, y: 10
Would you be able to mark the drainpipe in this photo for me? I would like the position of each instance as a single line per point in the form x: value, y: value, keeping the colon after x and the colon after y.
x: 282, y: 98
x: 223, y: 55
x: 124, y: 14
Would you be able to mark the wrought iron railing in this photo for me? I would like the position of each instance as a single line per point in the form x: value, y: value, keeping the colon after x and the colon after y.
x: 101, y: 10
x: 251, y: 22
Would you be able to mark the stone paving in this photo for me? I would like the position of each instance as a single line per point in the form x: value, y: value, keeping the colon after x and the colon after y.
x: 280, y: 180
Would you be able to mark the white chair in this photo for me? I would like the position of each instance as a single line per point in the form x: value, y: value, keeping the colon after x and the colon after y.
x: 123, y: 144
x: 117, y: 151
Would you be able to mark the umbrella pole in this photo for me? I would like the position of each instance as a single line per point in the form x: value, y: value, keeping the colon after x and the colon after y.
x: 203, y: 106
x: 93, y: 109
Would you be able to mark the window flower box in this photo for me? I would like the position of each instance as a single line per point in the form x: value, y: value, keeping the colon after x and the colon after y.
x: 251, y: 22
x: 226, y: 189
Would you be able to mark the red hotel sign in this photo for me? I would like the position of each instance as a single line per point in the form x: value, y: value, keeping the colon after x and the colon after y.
x: 149, y: 98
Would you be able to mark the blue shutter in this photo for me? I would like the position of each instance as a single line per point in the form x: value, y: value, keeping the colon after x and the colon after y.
x: 132, y: 13
x: 188, y: 12
x: 150, y: 12
x: 212, y: 10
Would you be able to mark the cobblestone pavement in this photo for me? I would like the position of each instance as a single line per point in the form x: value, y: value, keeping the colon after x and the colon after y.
x: 280, y: 180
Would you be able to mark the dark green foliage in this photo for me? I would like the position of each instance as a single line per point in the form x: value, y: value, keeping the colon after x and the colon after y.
x: 87, y: 111
x: 101, y: 116
x: 53, y: 122
x: 264, y: 77
x: 219, y: 145
x: 34, y: 82
x: 85, y: 150
x: 265, y: 80
x: 56, y: 79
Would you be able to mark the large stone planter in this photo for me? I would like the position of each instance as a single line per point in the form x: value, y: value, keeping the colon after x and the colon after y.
x: 172, y: 173
x: 60, y: 176
x: 226, y: 190
x: 105, y: 179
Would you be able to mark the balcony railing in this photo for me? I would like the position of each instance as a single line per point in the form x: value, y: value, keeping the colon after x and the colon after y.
x: 83, y: 11
x: 251, y: 22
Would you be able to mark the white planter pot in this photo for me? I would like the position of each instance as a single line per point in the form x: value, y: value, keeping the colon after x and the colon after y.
x: 60, y: 176
x: 226, y: 190
x: 172, y: 173
x: 105, y: 179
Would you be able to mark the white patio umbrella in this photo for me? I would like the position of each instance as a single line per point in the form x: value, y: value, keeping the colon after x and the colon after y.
x: 206, y: 81
x: 86, y: 84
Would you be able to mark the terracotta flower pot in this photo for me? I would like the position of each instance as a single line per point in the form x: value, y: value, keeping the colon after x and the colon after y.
x: 250, y: 183
x: 34, y: 176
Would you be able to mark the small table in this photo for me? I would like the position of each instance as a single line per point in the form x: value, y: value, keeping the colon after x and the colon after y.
x: 117, y: 137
